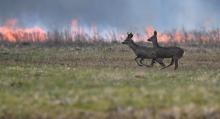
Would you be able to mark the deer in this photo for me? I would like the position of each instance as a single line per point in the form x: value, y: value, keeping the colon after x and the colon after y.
x: 175, y: 53
x: 142, y: 52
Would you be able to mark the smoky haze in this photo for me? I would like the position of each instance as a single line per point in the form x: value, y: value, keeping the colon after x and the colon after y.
x: 127, y: 15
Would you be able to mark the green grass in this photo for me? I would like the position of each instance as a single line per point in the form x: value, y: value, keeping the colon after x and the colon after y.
x: 104, y: 82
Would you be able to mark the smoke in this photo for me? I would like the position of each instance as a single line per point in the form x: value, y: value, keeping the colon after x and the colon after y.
x: 125, y: 15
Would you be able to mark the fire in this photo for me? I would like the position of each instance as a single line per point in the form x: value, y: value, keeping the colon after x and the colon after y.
x: 76, y: 30
x: 9, y: 31
x: 149, y: 31
x: 178, y: 36
x: 91, y: 33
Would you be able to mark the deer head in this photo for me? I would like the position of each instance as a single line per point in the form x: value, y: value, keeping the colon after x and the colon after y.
x: 128, y: 39
x: 152, y: 38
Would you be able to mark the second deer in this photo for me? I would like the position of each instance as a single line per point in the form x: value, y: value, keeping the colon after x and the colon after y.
x: 175, y: 53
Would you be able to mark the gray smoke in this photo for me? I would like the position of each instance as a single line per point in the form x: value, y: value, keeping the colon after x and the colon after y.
x: 126, y: 15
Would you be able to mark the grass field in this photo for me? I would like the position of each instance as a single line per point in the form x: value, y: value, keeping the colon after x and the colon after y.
x: 103, y: 81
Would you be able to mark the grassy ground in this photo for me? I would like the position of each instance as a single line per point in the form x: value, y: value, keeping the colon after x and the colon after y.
x: 104, y: 82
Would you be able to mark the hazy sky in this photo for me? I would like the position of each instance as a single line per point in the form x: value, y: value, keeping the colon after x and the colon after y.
x: 120, y: 14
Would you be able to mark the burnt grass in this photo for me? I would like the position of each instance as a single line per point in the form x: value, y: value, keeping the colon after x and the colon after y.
x: 102, y: 81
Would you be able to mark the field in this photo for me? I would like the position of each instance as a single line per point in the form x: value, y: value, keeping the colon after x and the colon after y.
x: 97, y: 81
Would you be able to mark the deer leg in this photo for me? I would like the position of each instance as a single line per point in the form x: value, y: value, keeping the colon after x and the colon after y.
x: 171, y: 63
x: 176, y: 64
x: 136, y: 59
x: 160, y: 61
x: 152, y: 62
x: 141, y: 61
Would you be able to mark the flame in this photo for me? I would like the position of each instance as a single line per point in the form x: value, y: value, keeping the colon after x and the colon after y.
x: 178, y: 36
x: 164, y: 37
x: 149, y: 31
x: 76, y: 30
x: 89, y: 33
x: 10, y: 32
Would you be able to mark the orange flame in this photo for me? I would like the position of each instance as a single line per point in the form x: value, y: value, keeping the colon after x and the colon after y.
x: 76, y: 29
x: 10, y: 32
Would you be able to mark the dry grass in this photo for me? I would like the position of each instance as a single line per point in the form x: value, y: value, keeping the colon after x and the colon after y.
x: 102, y: 81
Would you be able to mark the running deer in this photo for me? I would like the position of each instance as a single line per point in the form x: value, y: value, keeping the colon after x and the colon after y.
x: 142, y: 52
x: 175, y: 53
